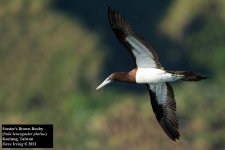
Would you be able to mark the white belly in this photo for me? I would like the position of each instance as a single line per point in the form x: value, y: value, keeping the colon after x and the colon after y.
x: 154, y: 75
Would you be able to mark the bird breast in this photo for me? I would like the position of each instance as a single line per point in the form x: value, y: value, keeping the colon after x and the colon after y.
x: 154, y: 76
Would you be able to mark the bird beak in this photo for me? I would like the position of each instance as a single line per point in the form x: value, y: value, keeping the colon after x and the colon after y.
x: 107, y: 81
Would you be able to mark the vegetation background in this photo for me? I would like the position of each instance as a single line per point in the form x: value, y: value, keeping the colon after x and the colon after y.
x: 53, y: 54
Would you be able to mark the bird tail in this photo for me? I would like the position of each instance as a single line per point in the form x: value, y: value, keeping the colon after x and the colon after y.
x: 189, y: 76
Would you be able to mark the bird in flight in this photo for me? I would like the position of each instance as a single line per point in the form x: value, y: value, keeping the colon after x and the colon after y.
x: 150, y: 72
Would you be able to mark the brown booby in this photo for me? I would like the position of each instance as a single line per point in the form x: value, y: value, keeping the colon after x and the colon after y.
x: 149, y: 71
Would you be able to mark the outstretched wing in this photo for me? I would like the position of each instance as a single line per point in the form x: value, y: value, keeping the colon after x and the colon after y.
x: 164, y: 107
x: 143, y: 54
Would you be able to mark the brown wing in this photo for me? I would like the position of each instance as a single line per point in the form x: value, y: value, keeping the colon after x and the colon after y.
x: 143, y: 54
x: 164, y: 107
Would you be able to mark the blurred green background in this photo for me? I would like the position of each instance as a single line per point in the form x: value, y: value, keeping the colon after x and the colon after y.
x: 53, y: 54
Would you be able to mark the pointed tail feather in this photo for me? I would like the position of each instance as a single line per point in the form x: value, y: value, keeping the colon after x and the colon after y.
x: 190, y: 76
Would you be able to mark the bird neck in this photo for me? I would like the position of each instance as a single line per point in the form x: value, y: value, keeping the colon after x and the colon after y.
x: 124, y: 76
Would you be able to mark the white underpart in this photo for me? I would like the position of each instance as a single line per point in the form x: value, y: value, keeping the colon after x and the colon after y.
x: 144, y: 58
x: 160, y: 91
x: 154, y: 76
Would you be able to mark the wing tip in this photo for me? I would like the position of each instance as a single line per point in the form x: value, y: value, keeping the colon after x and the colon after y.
x: 118, y: 22
x: 110, y: 10
x: 112, y: 15
x: 170, y: 130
